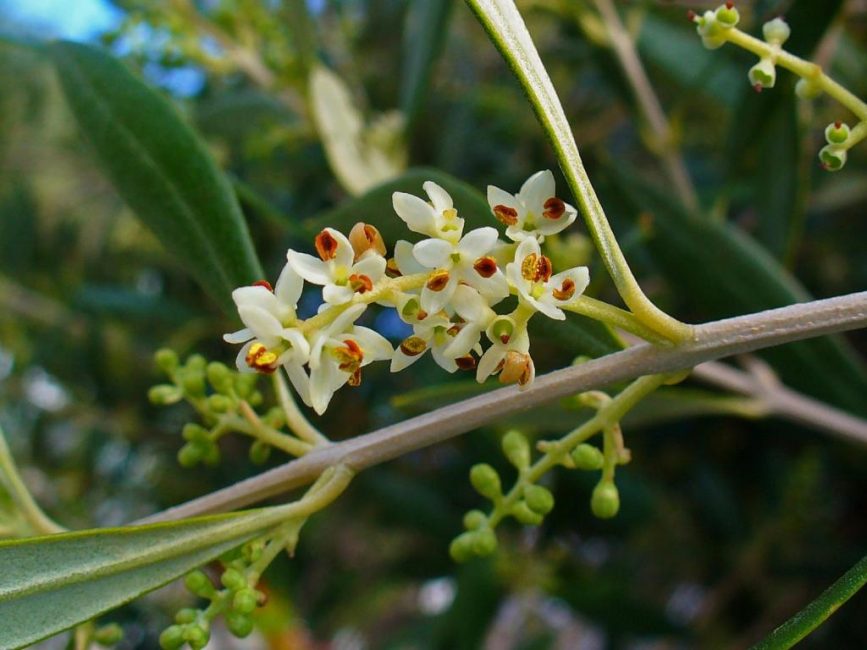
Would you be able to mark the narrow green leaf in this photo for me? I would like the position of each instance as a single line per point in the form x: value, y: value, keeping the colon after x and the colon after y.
x: 49, y: 584
x: 426, y: 29
x: 160, y: 168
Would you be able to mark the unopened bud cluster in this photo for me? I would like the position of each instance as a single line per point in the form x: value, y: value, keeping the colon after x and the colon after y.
x: 445, y: 287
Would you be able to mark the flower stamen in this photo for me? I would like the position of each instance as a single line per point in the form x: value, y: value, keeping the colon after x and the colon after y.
x: 506, y: 215
x: 263, y: 283
x: 261, y: 359
x: 360, y: 283
x: 485, y: 266
x: 438, y: 280
x: 413, y: 346
x: 554, y: 208
x: 566, y: 290
x: 326, y: 246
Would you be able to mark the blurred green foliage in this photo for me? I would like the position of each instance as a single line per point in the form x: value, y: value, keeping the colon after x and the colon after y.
x: 727, y: 525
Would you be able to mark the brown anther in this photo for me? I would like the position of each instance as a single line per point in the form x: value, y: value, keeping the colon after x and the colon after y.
x: 838, y: 124
x: 506, y: 215
x: 554, y: 208
x: 261, y: 359
x: 360, y: 283
x: 326, y: 246
x: 485, y: 266
x: 517, y: 367
x: 730, y: 5
x: 691, y: 16
x: 355, y: 378
x: 455, y: 329
x: 505, y: 338
x: 413, y: 346
x: 421, y: 314
x: 391, y: 269
x: 365, y: 237
x: 757, y: 88
x: 467, y: 362
x: 544, y: 269
x: 263, y: 283
x: 566, y: 290
x: 350, y: 355
x: 536, y: 268
x: 438, y: 280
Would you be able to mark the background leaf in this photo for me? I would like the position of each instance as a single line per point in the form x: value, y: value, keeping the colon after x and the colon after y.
x: 160, y: 168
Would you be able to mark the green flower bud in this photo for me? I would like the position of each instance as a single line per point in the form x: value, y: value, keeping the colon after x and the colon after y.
x: 186, y: 615
x: 837, y: 133
x: 484, y: 542
x: 197, y: 636
x: 832, y: 157
x: 233, y: 579
x: 164, y: 394
x: 461, y: 548
x: 516, y: 449
x: 539, y: 499
x: 252, y: 551
x: 219, y: 403
x: 259, y: 452
x: 193, y: 432
x: 245, y: 383
x: 806, y: 89
x: 220, y: 377
x: 255, y: 398
x: 166, y: 360
x: 239, y: 624
x: 198, y: 583
x: 486, y: 481
x: 605, y: 501
x: 245, y: 601
x: 172, y: 637
x: 196, y: 362
x: 475, y: 519
x: 587, y: 457
x: 192, y: 382
x: 763, y: 75
x: 521, y: 511
x: 191, y: 454
x: 108, y: 634
x: 727, y: 16
x: 776, y: 31
x: 275, y: 418
x: 211, y: 457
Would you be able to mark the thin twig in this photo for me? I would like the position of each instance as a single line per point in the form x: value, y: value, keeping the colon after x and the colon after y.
x: 295, y: 419
x: 712, y: 341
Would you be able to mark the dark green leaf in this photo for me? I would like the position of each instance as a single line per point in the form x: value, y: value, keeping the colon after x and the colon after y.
x: 160, y: 168
x: 426, y: 28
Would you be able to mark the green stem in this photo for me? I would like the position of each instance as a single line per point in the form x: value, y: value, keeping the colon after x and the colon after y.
x: 27, y: 506
x: 286, y: 535
x: 295, y: 420
x: 253, y: 426
x: 507, y: 30
x: 614, y: 316
x: 818, y: 611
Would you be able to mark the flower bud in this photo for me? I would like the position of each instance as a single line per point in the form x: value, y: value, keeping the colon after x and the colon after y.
x: 763, y: 75
x: 605, y: 501
x: 517, y: 367
x: 192, y: 381
x: 807, y: 89
x: 191, y: 454
x: 240, y: 625
x: 197, y: 636
x: 539, y: 499
x: 211, y: 454
x: 522, y: 512
x: 220, y: 377
x: 475, y: 519
x: 233, y: 579
x: 727, y: 15
x: 832, y: 157
x: 484, y: 542
x: 461, y: 548
x: 172, y: 637
x: 776, y: 31
x: 196, y: 362
x: 516, y: 449
x: 245, y: 383
x: 252, y: 551
x: 501, y: 329
x: 185, y: 616
x: 486, y: 481
x: 587, y: 457
x: 219, y: 403
x: 164, y: 394
x: 259, y: 452
x: 193, y: 432
x: 198, y: 583
x: 245, y: 601
x: 365, y: 237
x: 837, y: 133
x: 108, y: 634
x: 274, y: 418
x: 166, y: 360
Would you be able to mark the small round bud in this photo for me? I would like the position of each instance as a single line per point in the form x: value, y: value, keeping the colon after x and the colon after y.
x: 191, y: 454
x: 192, y: 381
x: 461, y: 548
x: 255, y: 398
x: 587, y: 457
x: 274, y: 418
x: 197, y: 636
x: 727, y: 15
x: 776, y: 31
x: 164, y: 394
x: 605, y: 501
x: 193, y: 432
x: 219, y: 376
x: 837, y: 133
x: 219, y: 403
x: 245, y: 383
x: 516, y: 449
x: 196, y: 362
x: 475, y: 519
x: 198, y: 583
x: 806, y: 89
x: 166, y: 360
x: 233, y: 579
x: 172, y: 637
x: 763, y: 75
x: 539, y: 499
x: 185, y: 616
x: 484, y: 542
x: 486, y: 481
x: 832, y: 157
x: 259, y: 452
x: 363, y: 237
x: 108, y: 634
x: 252, y: 551
x: 245, y: 601
x: 241, y: 625
x: 522, y: 512
x: 211, y: 456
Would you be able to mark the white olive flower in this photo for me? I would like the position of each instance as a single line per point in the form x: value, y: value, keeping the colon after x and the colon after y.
x: 335, y: 270
x: 465, y: 260
x: 530, y: 274
x: 508, y: 355
x: 269, y: 317
x: 337, y: 354
x: 534, y: 211
x: 438, y: 219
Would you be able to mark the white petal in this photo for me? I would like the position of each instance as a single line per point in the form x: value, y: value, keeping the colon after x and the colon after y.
x: 405, y: 260
x: 469, y: 305
x: 289, y: 286
x: 545, y: 304
x: 465, y: 341
x: 299, y: 346
x: 375, y: 346
x: 536, y: 190
x: 513, y: 275
x: 241, y: 359
x: 496, y: 197
x: 492, y: 289
x: 337, y: 295
x: 433, y: 253
x: 344, y: 254
x: 340, y: 324
x: 241, y: 336
x: 433, y: 301
x: 478, y: 242
x: 310, y: 268
x: 440, y: 199
x: 263, y: 324
x: 255, y: 296
x: 373, y: 266
x: 580, y: 275
x: 299, y: 380
x: 443, y: 361
x: 547, y: 226
x: 526, y: 247
x: 401, y: 361
x: 324, y: 381
x: 418, y: 215
x: 489, y: 361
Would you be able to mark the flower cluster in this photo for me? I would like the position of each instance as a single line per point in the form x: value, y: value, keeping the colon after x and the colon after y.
x: 445, y: 287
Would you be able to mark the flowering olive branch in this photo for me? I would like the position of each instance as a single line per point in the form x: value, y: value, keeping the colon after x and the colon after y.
x: 711, y: 341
